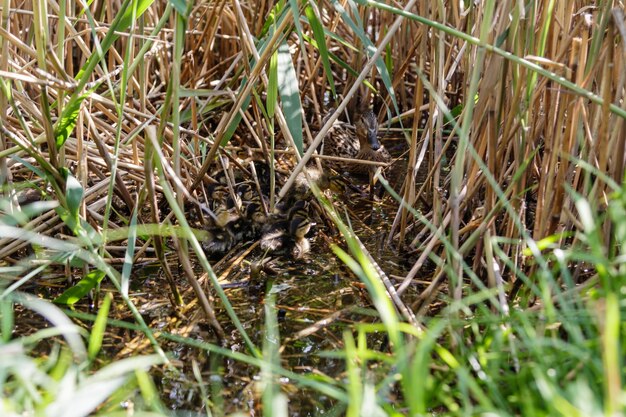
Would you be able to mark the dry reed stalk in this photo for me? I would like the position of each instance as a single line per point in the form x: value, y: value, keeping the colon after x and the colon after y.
x: 201, y: 296
x: 618, y: 140
x: 5, y: 174
x: 41, y: 224
x: 409, y: 181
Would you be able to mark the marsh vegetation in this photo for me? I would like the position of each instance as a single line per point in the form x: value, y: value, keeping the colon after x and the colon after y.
x: 174, y: 240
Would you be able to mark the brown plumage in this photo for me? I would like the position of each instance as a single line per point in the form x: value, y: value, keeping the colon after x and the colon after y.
x: 356, y: 142
x: 288, y: 235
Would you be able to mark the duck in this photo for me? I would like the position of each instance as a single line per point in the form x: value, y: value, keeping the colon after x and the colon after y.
x: 287, y: 234
x: 370, y: 148
x: 256, y: 217
x: 298, y: 229
x: 218, y: 241
x: 354, y: 142
x: 224, y: 227
x: 223, y: 232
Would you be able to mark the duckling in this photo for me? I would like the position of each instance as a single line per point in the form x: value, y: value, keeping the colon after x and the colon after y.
x: 254, y: 219
x: 225, y: 215
x: 245, y: 190
x: 218, y: 241
x: 224, y: 229
x: 358, y: 142
x: 217, y: 192
x: 298, y: 229
x: 287, y: 208
x: 255, y: 213
x: 288, y: 237
x: 299, y: 209
x: 276, y: 236
x: 289, y: 234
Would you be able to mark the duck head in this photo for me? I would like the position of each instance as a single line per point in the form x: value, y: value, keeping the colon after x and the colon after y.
x: 367, y: 130
x: 254, y: 212
x: 299, y: 227
x: 217, y: 191
x: 299, y: 209
x: 245, y: 191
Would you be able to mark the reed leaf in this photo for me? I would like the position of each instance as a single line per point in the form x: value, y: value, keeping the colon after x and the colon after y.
x: 122, y: 21
x: 99, y: 326
x: 290, y: 95
x: 69, y: 116
x: 131, y: 238
x: 272, y: 86
x: 74, y: 294
x: 320, y: 43
x: 295, y: 11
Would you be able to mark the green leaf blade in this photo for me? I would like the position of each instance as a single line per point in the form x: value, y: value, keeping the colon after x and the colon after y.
x: 97, y: 331
x: 290, y: 95
x: 318, y: 33
x: 67, y: 121
x: 72, y: 295
x: 272, y: 86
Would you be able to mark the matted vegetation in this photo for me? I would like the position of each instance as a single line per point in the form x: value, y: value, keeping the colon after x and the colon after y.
x: 506, y: 204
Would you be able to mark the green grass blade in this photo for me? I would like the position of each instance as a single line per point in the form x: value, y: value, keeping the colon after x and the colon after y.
x: 57, y: 318
x: 122, y: 21
x: 277, y: 13
x: 341, y: 63
x: 274, y: 402
x: 611, y: 356
x: 290, y: 95
x: 355, y: 385
x: 74, y: 294
x: 67, y: 121
x: 318, y: 33
x: 73, y: 195
x: 180, y: 6
x: 230, y: 131
x: 130, y: 251
x: 272, y: 86
x: 97, y: 331
x: 295, y: 10
x: 7, y: 320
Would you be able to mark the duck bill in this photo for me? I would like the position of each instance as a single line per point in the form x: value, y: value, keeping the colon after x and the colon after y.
x: 373, y: 140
